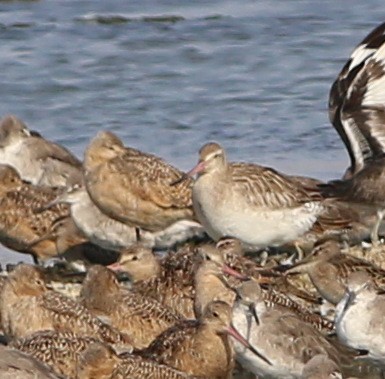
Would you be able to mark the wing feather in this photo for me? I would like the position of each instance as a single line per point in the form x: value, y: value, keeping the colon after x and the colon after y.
x: 265, y: 187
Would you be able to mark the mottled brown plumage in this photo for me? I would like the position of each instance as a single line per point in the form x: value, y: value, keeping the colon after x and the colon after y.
x: 250, y: 268
x: 210, y: 283
x: 329, y: 268
x: 134, y: 187
x: 20, y: 224
x: 101, y: 362
x: 184, y: 281
x: 59, y: 350
x: 198, y: 347
x: 141, y: 318
x: 28, y: 306
x: 170, y: 280
x: 278, y: 294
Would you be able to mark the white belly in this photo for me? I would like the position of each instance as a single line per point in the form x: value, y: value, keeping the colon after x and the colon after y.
x: 283, y: 365
x: 17, y: 156
x: 258, y: 227
x: 101, y: 229
x: 356, y: 328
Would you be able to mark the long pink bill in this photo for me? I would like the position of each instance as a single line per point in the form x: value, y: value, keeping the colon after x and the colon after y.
x: 229, y: 271
x: 234, y: 333
x: 115, y: 267
x: 196, y: 170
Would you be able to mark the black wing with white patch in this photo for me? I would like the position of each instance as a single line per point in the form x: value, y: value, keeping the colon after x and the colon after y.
x: 357, y: 100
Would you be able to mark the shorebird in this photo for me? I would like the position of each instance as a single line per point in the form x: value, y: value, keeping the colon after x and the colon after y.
x: 356, y: 109
x: 328, y: 269
x: 109, y: 233
x: 365, y: 189
x: 169, y: 280
x: 37, y: 160
x: 72, y: 245
x: 27, y: 306
x: 356, y: 101
x: 134, y: 187
x: 59, y: 350
x: 278, y: 293
x: 255, y: 204
x: 183, y: 281
x: 20, y: 225
x: 199, y: 347
x: 141, y: 318
x: 280, y: 336
x: 15, y: 364
x: 359, y: 317
x: 210, y: 283
x: 321, y: 367
x: 101, y: 362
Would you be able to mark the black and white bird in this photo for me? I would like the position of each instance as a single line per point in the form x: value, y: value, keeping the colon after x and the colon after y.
x: 357, y: 101
x: 357, y: 111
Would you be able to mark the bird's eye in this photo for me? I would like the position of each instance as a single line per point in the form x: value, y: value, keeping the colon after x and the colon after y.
x: 215, y: 314
x: 134, y: 258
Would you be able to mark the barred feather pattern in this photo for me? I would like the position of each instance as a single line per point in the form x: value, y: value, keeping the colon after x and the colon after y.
x: 136, y: 188
x: 265, y: 187
x: 68, y: 315
x: 197, y: 347
x: 136, y: 367
x: 140, y: 317
x: 21, y: 224
x: 59, y: 350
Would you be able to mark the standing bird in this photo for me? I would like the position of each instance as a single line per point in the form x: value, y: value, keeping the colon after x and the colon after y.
x: 134, y: 187
x: 255, y: 204
x: 37, y: 160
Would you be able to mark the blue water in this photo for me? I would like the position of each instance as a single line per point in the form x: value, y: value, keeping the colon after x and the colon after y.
x: 168, y: 76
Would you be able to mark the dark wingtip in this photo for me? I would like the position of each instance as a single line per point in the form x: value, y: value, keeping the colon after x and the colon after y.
x: 179, y: 180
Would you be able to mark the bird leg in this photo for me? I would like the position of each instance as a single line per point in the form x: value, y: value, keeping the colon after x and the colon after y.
x: 374, y: 234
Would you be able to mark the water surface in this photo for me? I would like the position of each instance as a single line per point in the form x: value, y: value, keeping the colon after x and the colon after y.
x: 168, y: 76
